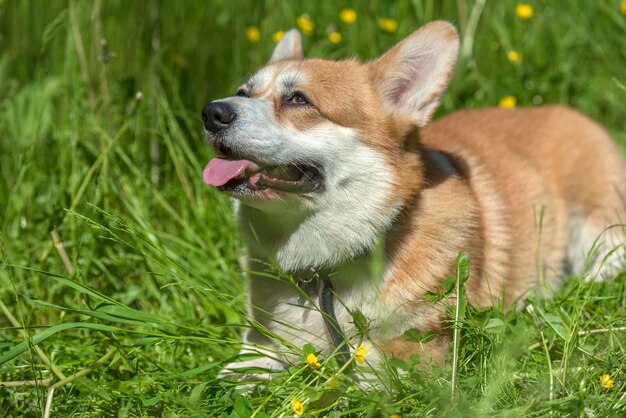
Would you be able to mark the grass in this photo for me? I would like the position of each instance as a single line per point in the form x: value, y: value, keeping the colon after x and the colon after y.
x: 149, y: 301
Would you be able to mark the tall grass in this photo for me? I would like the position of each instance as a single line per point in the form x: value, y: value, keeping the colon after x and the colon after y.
x: 101, y: 147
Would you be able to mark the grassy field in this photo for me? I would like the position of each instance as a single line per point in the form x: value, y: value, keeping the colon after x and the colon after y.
x: 120, y: 289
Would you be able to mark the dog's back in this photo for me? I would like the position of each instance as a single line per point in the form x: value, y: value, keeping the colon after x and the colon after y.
x: 548, y: 181
x: 527, y: 193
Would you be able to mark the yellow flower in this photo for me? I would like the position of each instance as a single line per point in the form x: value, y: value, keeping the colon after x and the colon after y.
x: 606, y: 381
x: 514, y: 56
x: 524, y: 11
x: 297, y: 407
x: 508, y: 102
x: 334, y: 37
x: 622, y: 6
x: 396, y: 416
x: 253, y: 34
x: 305, y: 24
x: 359, y: 354
x: 348, y: 16
x: 277, y: 36
x: 312, y: 361
x: 388, y: 24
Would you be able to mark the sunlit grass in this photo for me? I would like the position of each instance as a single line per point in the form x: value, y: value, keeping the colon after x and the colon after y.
x: 101, y: 144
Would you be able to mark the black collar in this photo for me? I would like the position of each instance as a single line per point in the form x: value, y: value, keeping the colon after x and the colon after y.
x: 319, y: 282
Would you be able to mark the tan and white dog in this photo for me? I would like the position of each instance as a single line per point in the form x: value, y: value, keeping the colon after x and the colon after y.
x: 334, y: 169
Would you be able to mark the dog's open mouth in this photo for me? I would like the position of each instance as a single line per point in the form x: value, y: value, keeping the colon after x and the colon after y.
x: 245, y: 176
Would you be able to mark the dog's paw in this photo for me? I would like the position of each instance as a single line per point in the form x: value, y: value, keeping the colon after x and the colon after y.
x: 254, y: 370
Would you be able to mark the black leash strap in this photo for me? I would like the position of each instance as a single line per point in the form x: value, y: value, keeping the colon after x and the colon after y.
x: 327, y: 306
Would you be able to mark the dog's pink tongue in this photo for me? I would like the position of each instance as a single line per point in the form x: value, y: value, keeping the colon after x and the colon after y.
x: 219, y: 171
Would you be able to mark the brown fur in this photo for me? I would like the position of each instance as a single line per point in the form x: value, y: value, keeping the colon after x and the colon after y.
x: 512, y: 162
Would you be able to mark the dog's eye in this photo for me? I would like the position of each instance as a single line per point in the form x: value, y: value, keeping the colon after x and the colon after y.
x: 242, y: 93
x: 297, y: 99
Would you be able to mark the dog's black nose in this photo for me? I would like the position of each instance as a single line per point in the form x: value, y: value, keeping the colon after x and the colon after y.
x: 218, y: 116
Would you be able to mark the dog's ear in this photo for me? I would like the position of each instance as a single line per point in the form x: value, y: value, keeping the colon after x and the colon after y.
x: 289, y: 47
x: 412, y: 76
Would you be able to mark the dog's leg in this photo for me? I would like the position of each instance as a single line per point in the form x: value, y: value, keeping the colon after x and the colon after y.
x: 265, y: 361
x: 597, y: 247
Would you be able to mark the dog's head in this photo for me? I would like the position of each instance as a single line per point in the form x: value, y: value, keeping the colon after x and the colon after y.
x: 337, y: 137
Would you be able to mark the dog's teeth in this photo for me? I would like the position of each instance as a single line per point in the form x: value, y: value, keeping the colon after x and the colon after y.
x: 289, y: 173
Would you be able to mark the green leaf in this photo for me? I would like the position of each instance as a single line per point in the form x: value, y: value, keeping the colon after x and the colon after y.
x: 248, y: 356
x: 42, y: 336
x: 461, y: 306
x: 196, y: 393
x: 434, y: 297
x: 360, y: 321
x: 462, y: 267
x: 494, y: 326
x: 93, y: 314
x: 556, y: 323
x: 242, y: 407
x: 415, y: 359
x: 417, y: 336
x: 128, y: 313
x: 399, y: 364
x: 448, y: 284
x: 309, y: 349
x: 73, y: 284
x: 150, y: 400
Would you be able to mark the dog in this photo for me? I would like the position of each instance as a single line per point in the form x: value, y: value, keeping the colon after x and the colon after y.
x: 339, y: 181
